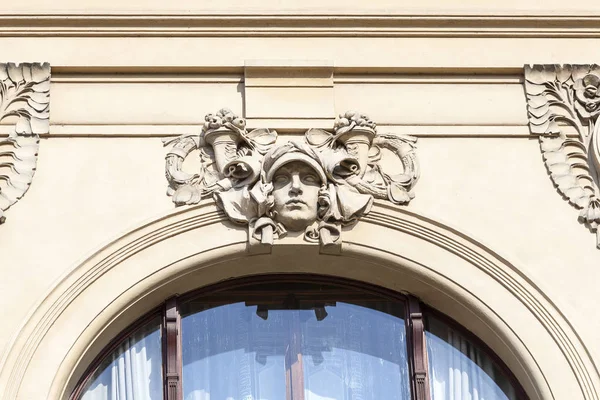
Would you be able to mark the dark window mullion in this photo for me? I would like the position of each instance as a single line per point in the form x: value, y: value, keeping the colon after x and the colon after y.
x: 172, y: 365
x: 294, y: 368
x: 418, y: 351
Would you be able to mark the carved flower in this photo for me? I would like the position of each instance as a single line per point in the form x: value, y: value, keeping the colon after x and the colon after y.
x: 350, y: 119
x: 224, y: 118
x: 260, y: 139
x: 587, y: 94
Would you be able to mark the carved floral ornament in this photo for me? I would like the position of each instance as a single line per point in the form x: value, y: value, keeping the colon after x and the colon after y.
x: 313, y: 186
x: 563, y: 104
x: 25, y: 106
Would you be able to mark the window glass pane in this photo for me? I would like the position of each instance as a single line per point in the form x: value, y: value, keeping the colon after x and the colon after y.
x: 132, y: 371
x: 354, y: 353
x: 461, y: 370
x: 296, y: 344
x: 230, y: 353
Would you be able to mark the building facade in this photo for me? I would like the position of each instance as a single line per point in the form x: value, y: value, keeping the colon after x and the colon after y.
x: 140, y: 144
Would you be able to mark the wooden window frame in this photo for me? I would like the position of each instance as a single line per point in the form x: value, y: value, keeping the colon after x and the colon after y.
x: 172, y: 355
x: 415, y: 322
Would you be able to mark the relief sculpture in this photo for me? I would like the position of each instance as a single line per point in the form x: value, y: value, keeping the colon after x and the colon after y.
x: 25, y: 109
x: 314, y: 186
x: 563, y: 104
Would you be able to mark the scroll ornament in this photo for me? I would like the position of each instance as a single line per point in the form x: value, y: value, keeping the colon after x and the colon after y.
x: 315, y: 185
x: 563, y: 104
x: 24, y: 105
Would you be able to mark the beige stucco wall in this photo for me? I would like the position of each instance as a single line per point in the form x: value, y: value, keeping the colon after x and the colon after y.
x: 119, y: 86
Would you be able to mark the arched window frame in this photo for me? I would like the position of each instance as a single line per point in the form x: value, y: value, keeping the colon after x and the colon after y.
x: 415, y: 312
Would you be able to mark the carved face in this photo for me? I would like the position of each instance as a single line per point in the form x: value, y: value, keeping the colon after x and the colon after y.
x: 296, y: 191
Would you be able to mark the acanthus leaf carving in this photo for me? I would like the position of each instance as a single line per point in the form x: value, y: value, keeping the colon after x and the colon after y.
x: 559, y: 98
x: 24, y: 102
x: 316, y: 185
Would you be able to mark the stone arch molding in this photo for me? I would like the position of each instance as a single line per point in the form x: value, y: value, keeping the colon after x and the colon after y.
x: 197, y: 245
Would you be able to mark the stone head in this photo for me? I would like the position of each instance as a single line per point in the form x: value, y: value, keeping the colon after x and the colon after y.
x: 298, y: 180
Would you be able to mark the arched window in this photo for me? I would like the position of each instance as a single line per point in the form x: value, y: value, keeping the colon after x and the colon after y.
x: 296, y: 337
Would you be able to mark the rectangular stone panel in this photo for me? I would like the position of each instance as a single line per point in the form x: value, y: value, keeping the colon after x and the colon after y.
x: 292, y: 103
x: 141, y: 103
x: 288, y: 89
x: 435, y: 103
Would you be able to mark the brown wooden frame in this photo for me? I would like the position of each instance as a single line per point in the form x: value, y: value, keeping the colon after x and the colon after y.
x: 414, y: 313
x: 172, y: 350
x: 418, y: 350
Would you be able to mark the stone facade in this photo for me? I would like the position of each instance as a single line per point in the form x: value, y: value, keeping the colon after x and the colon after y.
x: 97, y: 236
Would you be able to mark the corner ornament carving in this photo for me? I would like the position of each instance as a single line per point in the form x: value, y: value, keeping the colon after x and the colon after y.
x: 563, y: 104
x: 314, y: 186
x: 24, y: 102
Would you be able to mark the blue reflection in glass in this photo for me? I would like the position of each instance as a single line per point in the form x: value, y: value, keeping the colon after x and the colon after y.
x: 354, y: 353
x: 230, y: 353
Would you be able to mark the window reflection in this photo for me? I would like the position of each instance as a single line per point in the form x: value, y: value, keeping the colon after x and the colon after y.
x: 354, y: 353
x: 231, y: 352
x: 296, y: 341
x: 460, y: 370
x: 132, y: 371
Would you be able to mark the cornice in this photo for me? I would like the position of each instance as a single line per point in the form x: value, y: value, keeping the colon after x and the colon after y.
x: 287, y: 126
x: 374, y: 75
x: 283, y: 25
